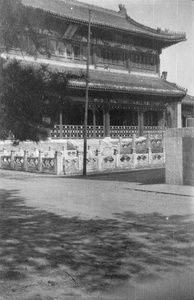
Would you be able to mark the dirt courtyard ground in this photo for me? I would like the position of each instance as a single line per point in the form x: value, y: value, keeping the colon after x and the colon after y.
x: 122, y: 236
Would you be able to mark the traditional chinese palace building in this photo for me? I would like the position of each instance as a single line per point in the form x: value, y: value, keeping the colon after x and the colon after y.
x: 128, y: 93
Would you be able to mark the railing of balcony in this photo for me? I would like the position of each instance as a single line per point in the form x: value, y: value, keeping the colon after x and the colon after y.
x: 77, y: 131
x: 123, y: 131
x: 154, y: 130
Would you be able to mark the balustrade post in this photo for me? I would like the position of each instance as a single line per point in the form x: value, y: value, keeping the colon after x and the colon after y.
x: 40, y: 161
x: 80, y: 160
x: 36, y: 152
x: 149, y: 150
x: 50, y: 152
x: 90, y: 154
x: 25, y: 160
x: 99, y: 154
x: 12, y: 159
x: 21, y: 152
x: 4, y: 151
x: 117, y: 160
x: 58, y: 163
x: 64, y: 150
x: 133, y: 149
x: 118, y: 153
x: 120, y: 143
x: 100, y: 146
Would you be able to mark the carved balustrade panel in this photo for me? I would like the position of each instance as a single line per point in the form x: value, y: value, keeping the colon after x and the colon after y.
x: 157, y: 159
x: 6, y: 162
x: 126, y: 148
x: 71, y: 153
x: 18, y: 162
x: 71, y: 165
x: 156, y: 145
x: 141, y: 146
x: 92, y: 164
x: 48, y: 164
x: 107, y: 151
x: 126, y: 161
x: 108, y: 162
x: 32, y: 163
x: 141, y: 160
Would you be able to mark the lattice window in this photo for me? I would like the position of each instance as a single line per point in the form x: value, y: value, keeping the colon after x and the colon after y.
x: 112, y: 56
x: 31, y: 49
x: 85, y: 52
x: 68, y: 50
x: 61, y: 49
x: 76, y: 49
x: 42, y: 44
x: 22, y: 42
x: 53, y: 46
x: 142, y: 61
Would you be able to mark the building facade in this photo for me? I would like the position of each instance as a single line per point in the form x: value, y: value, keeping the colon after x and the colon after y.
x: 127, y: 92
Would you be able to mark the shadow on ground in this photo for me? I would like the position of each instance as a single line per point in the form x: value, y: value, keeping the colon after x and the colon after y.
x: 147, y: 176
x: 94, y: 254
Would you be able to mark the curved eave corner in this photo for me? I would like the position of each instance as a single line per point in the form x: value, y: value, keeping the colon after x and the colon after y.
x: 171, y: 36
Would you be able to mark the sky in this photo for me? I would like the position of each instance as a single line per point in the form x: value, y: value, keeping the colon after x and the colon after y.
x: 175, y: 15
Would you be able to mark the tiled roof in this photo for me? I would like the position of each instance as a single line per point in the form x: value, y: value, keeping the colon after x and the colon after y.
x: 78, y: 12
x: 101, y: 80
x: 117, y: 82
x: 188, y: 100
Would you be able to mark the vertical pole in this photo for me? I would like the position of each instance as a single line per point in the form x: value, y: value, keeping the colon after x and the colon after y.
x: 94, y: 122
x: 61, y: 124
x: 86, y: 100
x: 164, y: 120
x: 141, y: 122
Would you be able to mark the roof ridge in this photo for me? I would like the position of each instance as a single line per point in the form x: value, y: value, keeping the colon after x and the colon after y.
x: 98, y: 8
x: 126, y: 16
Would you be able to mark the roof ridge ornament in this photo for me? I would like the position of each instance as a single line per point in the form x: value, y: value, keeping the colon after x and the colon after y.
x: 122, y: 10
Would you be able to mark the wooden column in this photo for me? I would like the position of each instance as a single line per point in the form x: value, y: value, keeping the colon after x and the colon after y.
x: 106, y: 117
x: 175, y: 114
x: 163, y: 119
x: 141, y: 122
x: 61, y: 123
x: 94, y: 121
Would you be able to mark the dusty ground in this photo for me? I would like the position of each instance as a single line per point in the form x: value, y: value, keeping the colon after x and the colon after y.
x: 116, y: 236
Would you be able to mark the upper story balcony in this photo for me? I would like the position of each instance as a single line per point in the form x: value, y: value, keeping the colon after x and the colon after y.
x: 73, y: 52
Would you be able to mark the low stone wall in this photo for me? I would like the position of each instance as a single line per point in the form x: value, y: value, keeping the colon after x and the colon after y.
x: 131, y: 154
x: 179, y: 146
x: 36, y: 163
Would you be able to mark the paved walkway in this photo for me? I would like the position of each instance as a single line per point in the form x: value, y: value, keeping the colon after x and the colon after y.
x: 115, y: 236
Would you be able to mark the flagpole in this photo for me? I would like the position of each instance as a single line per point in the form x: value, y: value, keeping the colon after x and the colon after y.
x: 86, y: 99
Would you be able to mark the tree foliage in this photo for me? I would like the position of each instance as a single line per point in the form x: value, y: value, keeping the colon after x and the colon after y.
x: 28, y: 93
